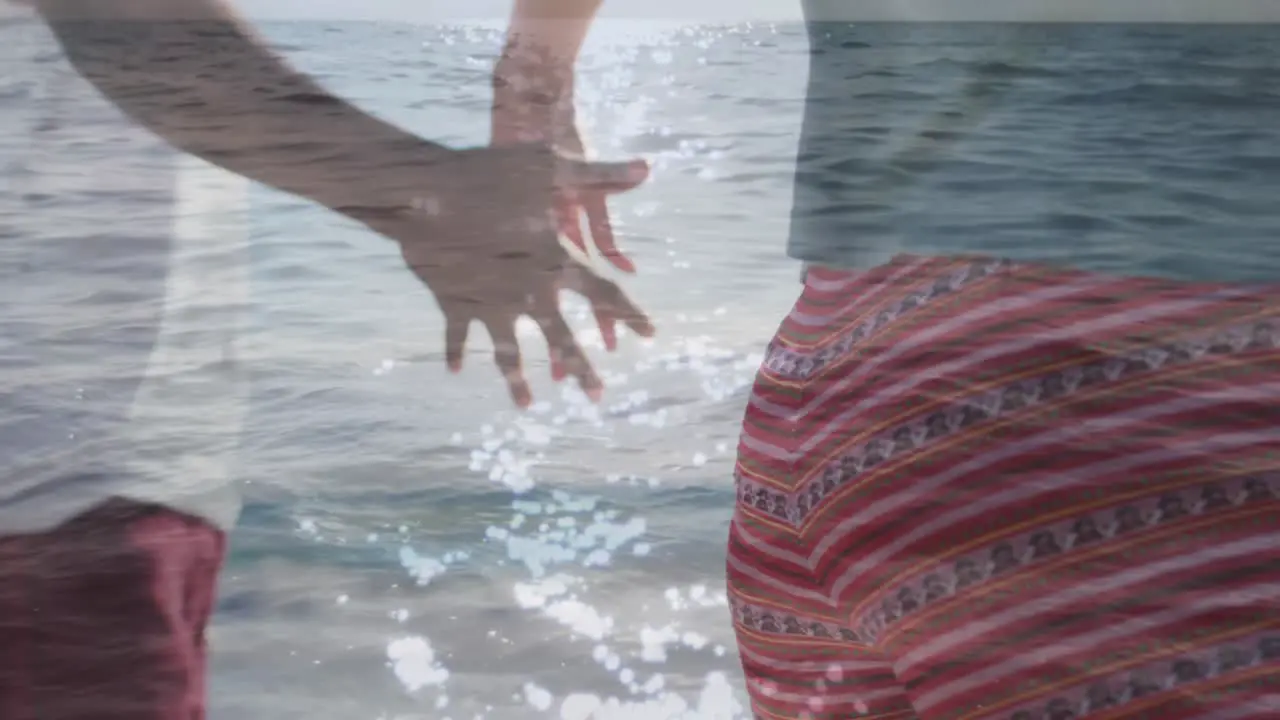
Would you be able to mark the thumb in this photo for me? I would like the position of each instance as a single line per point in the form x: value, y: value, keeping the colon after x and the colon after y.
x: 577, y: 176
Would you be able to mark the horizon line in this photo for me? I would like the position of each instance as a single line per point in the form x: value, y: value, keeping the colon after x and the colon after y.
x: 788, y: 21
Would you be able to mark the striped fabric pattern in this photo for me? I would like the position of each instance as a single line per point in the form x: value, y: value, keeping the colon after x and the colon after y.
x: 969, y: 489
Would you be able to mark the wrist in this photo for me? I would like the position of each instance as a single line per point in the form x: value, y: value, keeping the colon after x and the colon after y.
x: 553, y: 40
x: 530, y: 69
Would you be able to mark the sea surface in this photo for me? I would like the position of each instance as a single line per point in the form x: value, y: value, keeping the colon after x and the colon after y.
x: 412, y: 547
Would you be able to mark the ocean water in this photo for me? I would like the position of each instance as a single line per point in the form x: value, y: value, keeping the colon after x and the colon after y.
x: 413, y: 548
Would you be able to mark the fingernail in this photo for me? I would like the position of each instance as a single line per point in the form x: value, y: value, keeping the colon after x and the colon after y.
x: 557, y: 371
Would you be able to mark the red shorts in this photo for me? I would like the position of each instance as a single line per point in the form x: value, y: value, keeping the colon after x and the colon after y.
x: 103, y: 618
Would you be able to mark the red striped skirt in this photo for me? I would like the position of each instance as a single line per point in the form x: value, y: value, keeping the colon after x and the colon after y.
x: 972, y: 489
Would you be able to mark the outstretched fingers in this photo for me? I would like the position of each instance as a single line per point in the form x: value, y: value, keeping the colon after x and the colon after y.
x: 568, y: 218
x: 585, y: 184
x: 567, y: 356
x: 597, y: 210
x: 506, y: 355
x: 608, y: 301
x: 580, y: 178
x: 455, y: 341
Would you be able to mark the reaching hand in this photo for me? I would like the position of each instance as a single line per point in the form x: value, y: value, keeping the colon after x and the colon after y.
x: 485, y: 244
x: 533, y: 103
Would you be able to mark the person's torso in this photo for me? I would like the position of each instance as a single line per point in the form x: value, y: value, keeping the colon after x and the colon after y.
x: 121, y: 280
x: 1145, y: 147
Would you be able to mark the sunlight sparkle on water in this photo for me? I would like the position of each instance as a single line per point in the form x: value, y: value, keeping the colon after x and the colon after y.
x: 562, y: 541
x: 413, y: 661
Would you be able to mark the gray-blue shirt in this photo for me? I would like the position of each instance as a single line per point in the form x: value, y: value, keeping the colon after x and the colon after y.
x: 1126, y: 148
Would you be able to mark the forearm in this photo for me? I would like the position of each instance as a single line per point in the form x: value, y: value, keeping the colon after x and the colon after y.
x: 193, y: 73
x: 557, y: 26
x: 536, y: 69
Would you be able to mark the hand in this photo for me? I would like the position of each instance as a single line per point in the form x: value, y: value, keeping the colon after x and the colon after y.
x: 485, y: 244
x: 533, y: 103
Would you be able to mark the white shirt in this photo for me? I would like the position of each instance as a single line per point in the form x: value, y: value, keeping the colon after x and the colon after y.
x: 123, y: 280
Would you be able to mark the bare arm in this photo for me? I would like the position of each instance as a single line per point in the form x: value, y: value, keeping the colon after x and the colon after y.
x: 534, y: 78
x: 195, y: 74
x: 542, y: 45
x: 557, y: 26
x: 533, y: 94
